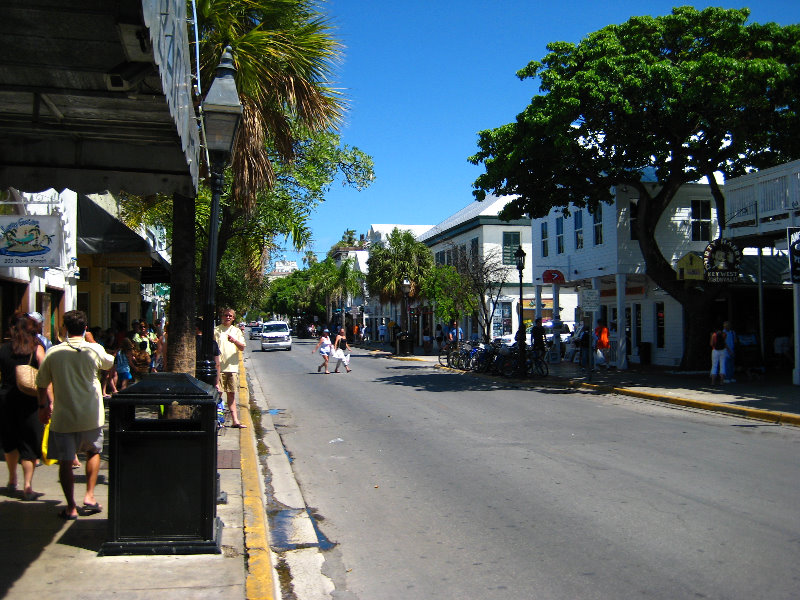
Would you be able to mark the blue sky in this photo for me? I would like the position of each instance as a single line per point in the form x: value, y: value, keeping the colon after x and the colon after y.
x: 424, y: 77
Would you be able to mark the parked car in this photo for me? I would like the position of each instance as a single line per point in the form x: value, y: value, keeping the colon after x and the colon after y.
x: 255, y: 332
x: 564, y: 333
x: 275, y: 335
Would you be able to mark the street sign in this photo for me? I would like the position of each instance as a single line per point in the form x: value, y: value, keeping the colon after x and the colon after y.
x: 590, y: 300
x: 793, y: 239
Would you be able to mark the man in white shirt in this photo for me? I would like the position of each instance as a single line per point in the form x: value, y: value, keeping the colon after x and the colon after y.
x: 74, y: 408
x: 231, y: 341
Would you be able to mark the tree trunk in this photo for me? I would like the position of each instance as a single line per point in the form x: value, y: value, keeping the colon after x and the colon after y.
x: 181, y: 355
x: 696, y: 301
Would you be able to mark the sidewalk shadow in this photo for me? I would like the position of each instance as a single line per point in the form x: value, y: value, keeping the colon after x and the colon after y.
x: 26, y: 529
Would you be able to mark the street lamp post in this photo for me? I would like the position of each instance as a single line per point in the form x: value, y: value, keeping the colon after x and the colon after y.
x: 221, y: 111
x: 519, y: 257
x: 406, y: 286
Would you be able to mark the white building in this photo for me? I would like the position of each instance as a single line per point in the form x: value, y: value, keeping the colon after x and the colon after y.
x: 598, y: 251
x: 477, y: 229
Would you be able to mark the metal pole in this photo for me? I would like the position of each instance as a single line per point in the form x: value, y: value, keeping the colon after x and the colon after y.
x: 206, y: 369
x: 521, y: 331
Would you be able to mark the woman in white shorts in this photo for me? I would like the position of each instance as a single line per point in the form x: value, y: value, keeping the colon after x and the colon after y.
x: 325, y: 347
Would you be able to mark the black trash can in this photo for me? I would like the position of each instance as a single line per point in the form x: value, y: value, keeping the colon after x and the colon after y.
x: 162, y: 470
x: 405, y: 344
x: 645, y: 353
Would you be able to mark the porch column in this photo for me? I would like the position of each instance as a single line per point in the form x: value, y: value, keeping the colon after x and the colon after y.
x: 538, y: 301
x: 622, y: 345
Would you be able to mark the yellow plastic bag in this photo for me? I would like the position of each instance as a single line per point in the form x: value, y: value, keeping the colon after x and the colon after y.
x: 45, y: 460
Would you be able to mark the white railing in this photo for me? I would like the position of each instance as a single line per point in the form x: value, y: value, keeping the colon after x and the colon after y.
x: 765, y: 201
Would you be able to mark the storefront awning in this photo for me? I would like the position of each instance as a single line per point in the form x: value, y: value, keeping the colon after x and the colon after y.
x: 115, y: 244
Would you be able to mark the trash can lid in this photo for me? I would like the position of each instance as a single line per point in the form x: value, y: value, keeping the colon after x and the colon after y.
x: 172, y: 387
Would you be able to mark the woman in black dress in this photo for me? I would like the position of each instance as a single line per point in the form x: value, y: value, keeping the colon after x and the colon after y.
x: 21, y: 430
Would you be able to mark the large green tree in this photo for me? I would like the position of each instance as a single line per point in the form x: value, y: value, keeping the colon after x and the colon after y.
x: 685, y: 95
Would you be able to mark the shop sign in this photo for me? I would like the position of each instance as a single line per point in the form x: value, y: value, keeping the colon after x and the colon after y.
x: 721, y: 261
x: 30, y: 241
x: 691, y: 267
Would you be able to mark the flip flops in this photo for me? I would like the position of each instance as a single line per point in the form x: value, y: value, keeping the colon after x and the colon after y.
x: 64, y: 514
x: 91, y: 509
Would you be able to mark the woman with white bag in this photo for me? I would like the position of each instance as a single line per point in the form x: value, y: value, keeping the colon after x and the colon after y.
x: 341, y: 351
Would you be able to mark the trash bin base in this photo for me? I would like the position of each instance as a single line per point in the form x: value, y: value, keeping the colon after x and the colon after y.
x: 158, y: 547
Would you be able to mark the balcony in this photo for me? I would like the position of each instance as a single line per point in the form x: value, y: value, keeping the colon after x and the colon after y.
x: 760, y: 206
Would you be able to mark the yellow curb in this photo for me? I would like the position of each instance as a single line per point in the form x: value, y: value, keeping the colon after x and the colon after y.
x: 759, y: 414
x: 259, y: 584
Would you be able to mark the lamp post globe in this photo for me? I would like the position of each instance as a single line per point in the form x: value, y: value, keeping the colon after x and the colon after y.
x: 221, y: 113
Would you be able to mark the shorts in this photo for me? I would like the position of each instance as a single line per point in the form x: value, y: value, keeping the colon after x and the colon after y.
x: 64, y: 446
x: 124, y: 375
x: 229, y: 381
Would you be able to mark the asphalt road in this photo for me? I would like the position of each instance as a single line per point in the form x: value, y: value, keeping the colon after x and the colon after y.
x: 435, y: 485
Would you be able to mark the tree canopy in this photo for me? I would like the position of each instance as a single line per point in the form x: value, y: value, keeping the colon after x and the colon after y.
x: 683, y: 96
x: 401, y: 257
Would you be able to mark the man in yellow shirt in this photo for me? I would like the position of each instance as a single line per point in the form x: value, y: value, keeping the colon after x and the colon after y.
x: 230, y: 340
x: 74, y: 408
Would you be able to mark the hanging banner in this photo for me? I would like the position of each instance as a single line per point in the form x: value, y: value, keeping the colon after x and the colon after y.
x: 793, y: 239
x: 30, y: 241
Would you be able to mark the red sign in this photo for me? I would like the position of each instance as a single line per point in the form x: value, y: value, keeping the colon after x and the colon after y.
x: 552, y: 276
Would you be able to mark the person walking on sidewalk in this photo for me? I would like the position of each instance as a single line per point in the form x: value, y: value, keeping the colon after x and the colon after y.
x: 20, y: 429
x: 230, y: 340
x: 74, y: 408
x: 603, y: 343
x: 341, y: 351
x: 718, y: 352
x: 730, y: 345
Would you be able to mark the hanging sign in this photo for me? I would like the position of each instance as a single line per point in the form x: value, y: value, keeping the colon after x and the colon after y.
x: 793, y: 239
x: 552, y: 276
x: 690, y: 267
x: 30, y: 241
x: 721, y: 260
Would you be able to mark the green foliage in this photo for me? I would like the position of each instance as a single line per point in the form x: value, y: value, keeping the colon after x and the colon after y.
x: 401, y: 257
x: 449, y: 292
x: 682, y: 96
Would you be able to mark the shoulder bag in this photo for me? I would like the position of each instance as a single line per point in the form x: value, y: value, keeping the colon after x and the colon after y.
x: 26, y: 378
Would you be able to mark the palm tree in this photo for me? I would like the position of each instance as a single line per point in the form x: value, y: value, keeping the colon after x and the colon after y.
x: 284, y: 54
x: 309, y: 258
x: 402, y: 257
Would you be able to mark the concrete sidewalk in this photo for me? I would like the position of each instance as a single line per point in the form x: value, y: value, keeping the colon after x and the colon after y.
x: 44, y: 556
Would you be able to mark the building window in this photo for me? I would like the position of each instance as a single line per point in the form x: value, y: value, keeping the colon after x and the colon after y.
x: 597, y: 225
x: 440, y: 258
x: 578, y: 230
x: 660, y: 325
x: 510, y: 245
x: 701, y: 220
x: 473, y: 248
x: 560, y: 235
x: 120, y: 288
x: 633, y: 217
x: 545, y: 241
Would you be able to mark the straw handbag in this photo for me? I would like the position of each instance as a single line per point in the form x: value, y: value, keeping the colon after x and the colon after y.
x: 26, y: 378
